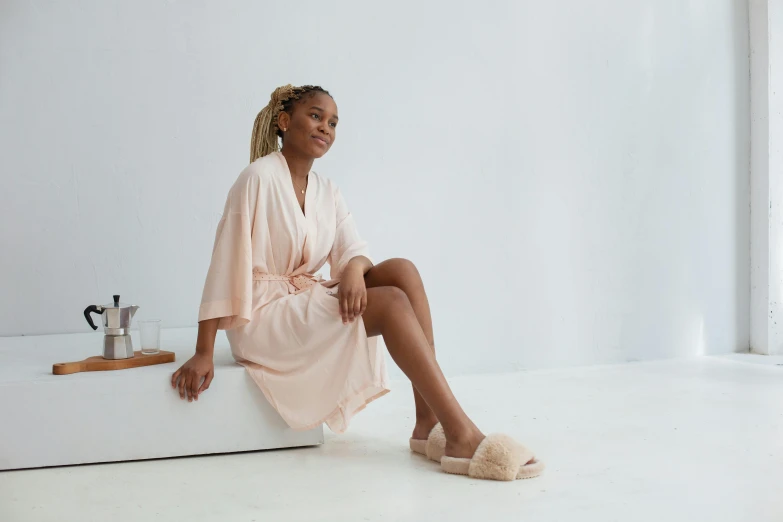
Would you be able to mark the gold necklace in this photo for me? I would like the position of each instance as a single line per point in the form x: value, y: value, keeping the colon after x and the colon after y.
x: 302, y: 190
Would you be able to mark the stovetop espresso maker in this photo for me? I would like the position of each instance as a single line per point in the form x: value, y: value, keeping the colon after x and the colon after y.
x: 117, y: 319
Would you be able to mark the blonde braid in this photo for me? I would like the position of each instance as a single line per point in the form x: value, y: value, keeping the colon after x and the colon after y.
x: 264, y: 139
x: 265, y: 129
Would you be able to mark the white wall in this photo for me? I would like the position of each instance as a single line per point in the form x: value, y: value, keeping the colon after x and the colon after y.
x: 570, y: 177
x: 775, y: 166
x: 766, y: 180
x: 763, y: 240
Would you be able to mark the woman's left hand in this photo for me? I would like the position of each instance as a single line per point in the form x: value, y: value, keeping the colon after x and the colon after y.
x: 352, y: 295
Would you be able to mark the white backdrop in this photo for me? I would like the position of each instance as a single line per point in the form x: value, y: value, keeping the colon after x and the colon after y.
x: 570, y: 177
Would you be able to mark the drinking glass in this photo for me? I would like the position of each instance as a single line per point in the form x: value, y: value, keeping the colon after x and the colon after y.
x: 149, y: 331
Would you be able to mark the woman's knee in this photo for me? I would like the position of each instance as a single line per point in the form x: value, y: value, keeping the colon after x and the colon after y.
x: 405, y: 271
x: 385, y: 305
x: 387, y: 296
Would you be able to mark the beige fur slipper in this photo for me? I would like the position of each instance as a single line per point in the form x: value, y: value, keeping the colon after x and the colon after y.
x: 498, y: 457
x: 435, y: 445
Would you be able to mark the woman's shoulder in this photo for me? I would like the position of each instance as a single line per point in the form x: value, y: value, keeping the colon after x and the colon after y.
x: 257, y: 173
x: 262, y: 168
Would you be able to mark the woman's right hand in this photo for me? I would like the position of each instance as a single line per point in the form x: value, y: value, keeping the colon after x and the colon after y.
x: 189, y: 377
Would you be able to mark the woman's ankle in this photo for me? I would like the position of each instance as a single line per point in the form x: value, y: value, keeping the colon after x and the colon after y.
x: 424, y: 425
x: 464, y: 433
x: 465, y: 444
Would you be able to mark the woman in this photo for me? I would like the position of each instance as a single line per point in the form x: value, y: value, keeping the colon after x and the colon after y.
x: 310, y: 344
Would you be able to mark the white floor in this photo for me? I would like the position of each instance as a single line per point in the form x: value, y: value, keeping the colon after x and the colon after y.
x: 696, y: 440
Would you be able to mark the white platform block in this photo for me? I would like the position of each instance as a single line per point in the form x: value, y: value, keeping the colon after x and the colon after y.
x: 133, y: 414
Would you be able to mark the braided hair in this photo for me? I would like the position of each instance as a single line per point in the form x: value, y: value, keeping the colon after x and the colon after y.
x: 265, y: 129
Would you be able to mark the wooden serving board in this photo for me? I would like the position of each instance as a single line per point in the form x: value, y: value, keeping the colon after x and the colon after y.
x: 99, y: 364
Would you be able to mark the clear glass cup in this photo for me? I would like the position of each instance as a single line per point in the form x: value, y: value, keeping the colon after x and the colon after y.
x: 149, y: 331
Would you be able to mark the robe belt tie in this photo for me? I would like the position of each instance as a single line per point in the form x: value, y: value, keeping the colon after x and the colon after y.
x: 296, y: 283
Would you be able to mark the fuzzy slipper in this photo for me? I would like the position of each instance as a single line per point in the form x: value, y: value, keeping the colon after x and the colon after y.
x: 498, y: 457
x: 435, y: 445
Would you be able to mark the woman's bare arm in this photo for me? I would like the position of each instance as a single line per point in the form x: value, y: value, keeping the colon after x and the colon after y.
x: 197, y: 373
x: 207, y: 332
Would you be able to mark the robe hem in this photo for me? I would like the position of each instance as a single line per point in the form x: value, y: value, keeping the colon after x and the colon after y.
x: 381, y: 388
x: 231, y: 312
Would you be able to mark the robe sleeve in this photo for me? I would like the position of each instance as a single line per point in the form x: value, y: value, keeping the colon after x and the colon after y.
x: 228, y: 291
x: 347, y: 242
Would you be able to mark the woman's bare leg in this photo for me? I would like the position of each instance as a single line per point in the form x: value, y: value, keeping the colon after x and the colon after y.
x: 403, y: 274
x: 390, y: 313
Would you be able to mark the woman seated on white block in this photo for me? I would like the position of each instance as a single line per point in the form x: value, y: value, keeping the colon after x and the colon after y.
x: 309, y: 344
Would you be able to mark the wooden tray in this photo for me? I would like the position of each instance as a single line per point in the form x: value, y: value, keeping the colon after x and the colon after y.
x: 99, y: 364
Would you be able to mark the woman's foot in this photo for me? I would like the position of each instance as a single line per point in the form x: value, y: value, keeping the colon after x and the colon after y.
x: 463, y: 444
x: 423, y: 428
x: 496, y: 457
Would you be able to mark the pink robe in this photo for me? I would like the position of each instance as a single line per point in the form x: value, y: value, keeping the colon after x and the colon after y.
x: 311, y: 367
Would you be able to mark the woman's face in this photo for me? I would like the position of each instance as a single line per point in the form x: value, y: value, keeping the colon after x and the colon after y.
x: 311, y: 129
